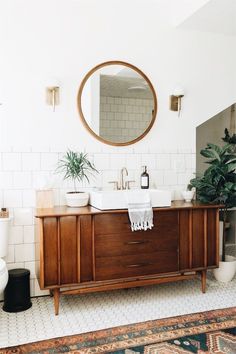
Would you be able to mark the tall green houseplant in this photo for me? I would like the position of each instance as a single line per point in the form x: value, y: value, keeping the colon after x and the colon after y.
x: 218, y: 184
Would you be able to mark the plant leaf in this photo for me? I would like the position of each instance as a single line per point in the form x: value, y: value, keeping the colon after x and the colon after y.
x: 210, y: 154
x: 231, y: 166
x: 215, y: 148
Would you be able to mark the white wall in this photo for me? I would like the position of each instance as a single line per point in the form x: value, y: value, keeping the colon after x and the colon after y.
x: 65, y: 39
x: 212, y: 131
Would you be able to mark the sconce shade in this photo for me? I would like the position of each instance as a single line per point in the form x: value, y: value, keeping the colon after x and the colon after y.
x: 178, y: 91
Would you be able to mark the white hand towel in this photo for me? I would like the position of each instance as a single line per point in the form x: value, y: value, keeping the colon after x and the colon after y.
x: 140, y: 210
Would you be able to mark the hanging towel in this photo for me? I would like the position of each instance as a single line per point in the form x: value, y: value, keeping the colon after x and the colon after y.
x: 140, y: 210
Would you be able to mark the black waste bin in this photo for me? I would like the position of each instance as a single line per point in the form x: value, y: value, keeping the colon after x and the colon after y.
x: 17, y: 292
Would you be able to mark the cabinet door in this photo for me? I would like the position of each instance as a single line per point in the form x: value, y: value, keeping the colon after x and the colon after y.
x: 69, y: 248
x: 212, y: 237
x: 121, y: 253
x: 49, y: 275
x: 76, y: 249
x: 86, y: 248
x: 198, y: 238
x: 66, y: 250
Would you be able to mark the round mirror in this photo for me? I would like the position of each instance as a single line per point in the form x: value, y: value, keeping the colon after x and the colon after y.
x: 117, y: 103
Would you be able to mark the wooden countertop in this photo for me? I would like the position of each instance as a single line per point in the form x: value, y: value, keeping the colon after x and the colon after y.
x: 89, y: 210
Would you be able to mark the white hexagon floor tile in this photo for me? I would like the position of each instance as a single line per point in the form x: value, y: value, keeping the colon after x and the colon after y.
x: 91, y: 312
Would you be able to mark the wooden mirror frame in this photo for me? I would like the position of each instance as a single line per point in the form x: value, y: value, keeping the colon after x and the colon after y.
x: 99, y: 66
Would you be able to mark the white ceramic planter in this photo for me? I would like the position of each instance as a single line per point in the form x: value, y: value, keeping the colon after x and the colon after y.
x: 77, y: 199
x: 226, y: 270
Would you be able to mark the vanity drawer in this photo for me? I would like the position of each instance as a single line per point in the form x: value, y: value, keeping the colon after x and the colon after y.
x: 136, y: 242
x: 107, y: 268
x: 111, y: 223
x: 119, y: 222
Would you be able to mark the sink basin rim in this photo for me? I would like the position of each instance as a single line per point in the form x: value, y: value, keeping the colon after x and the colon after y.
x: 116, y: 199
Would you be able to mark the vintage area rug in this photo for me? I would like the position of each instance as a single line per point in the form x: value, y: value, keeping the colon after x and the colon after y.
x: 206, y: 332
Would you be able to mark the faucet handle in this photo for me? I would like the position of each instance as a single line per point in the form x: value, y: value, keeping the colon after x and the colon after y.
x: 128, y: 183
x: 115, y: 185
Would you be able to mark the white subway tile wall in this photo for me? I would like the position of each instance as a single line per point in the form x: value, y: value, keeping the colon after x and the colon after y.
x: 11, y: 162
x: 119, y: 114
x: 31, y: 161
x: 23, y: 172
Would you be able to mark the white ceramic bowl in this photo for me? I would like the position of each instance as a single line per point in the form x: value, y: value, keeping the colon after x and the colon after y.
x: 188, y: 195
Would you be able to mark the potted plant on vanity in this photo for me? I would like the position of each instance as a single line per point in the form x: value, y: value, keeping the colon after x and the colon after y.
x: 76, y: 167
x: 218, y: 185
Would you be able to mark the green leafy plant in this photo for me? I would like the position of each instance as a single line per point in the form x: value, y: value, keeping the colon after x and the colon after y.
x: 218, y: 184
x: 76, y: 166
x: 229, y: 139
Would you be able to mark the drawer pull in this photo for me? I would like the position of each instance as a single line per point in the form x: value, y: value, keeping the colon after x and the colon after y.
x: 138, y: 265
x: 135, y: 242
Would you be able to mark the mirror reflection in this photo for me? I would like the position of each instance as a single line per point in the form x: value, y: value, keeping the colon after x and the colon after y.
x: 118, y: 103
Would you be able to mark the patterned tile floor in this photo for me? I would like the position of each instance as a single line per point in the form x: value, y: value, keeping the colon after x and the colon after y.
x: 90, y: 312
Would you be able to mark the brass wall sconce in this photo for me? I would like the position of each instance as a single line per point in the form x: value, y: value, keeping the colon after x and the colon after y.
x: 175, y: 100
x: 52, y: 95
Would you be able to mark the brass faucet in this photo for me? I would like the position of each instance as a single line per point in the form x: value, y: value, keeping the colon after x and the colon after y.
x: 123, y: 184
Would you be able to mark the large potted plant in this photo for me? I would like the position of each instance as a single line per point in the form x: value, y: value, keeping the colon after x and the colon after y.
x: 76, y: 167
x: 218, y: 185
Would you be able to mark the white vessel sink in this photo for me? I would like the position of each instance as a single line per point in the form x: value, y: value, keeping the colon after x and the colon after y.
x: 117, y: 199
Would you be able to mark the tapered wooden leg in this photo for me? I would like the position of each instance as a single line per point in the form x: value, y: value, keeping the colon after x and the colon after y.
x: 56, y: 296
x: 203, y: 279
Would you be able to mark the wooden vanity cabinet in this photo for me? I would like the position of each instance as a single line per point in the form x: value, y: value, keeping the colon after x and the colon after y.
x: 86, y: 250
